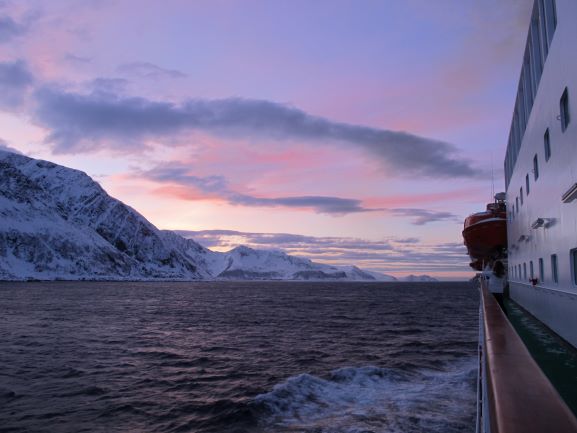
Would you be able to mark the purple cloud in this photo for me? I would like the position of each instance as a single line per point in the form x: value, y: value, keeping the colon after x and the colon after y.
x: 423, y: 216
x: 86, y: 122
x: 179, y: 174
x: 218, y: 185
x: 108, y: 85
x: 78, y: 60
x: 15, y: 81
x: 149, y: 70
x: 9, y: 29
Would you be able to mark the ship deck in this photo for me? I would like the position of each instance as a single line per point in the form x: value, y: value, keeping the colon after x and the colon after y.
x: 516, y: 395
x: 556, y: 358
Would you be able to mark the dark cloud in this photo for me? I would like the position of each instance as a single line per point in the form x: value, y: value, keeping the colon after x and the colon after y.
x: 423, y: 216
x: 179, y: 174
x: 9, y: 29
x: 320, y: 204
x: 15, y: 81
x: 218, y: 185
x: 149, y: 70
x: 108, y: 85
x: 81, y: 122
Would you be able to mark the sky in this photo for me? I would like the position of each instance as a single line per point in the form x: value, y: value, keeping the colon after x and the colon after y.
x: 348, y: 132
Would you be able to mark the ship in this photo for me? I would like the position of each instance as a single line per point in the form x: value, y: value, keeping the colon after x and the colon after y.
x: 524, y: 244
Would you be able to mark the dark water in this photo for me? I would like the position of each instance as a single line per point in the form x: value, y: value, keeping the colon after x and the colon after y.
x: 237, y: 357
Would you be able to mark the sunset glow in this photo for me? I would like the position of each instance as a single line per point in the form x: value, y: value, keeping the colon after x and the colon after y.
x: 357, y: 133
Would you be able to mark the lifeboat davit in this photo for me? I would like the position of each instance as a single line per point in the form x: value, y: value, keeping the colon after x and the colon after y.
x: 485, y: 233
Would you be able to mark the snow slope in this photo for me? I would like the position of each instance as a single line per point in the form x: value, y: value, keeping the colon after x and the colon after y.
x: 247, y: 263
x: 57, y: 223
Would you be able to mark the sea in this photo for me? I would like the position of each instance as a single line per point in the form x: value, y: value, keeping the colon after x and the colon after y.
x: 235, y: 357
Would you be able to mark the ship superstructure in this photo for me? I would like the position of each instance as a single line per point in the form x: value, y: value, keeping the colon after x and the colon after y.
x: 528, y: 313
x: 541, y: 172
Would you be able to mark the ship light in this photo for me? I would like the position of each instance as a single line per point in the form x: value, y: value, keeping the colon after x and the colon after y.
x: 539, y: 222
x: 570, y: 194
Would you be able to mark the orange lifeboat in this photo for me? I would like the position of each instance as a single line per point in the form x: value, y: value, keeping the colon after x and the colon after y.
x: 485, y: 233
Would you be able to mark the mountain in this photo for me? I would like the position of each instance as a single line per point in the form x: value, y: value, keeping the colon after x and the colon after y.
x: 57, y: 223
x: 246, y: 263
x: 419, y: 278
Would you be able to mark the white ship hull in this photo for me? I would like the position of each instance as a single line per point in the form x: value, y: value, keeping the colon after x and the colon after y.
x: 542, y: 227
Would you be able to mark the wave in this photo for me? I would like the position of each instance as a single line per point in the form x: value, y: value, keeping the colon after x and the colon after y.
x: 373, y: 399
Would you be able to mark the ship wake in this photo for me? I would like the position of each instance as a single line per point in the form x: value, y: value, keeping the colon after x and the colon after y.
x: 371, y: 399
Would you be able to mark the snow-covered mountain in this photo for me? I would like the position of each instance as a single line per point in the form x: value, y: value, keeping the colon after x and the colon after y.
x: 246, y: 263
x: 57, y: 223
x: 417, y: 278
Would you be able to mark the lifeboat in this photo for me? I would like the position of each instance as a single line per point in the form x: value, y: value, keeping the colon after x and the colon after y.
x: 485, y: 233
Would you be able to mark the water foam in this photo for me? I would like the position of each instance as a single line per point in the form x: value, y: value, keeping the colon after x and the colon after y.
x: 372, y: 399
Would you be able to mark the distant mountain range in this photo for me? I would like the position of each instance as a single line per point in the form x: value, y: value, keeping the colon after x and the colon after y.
x: 422, y: 278
x: 57, y: 223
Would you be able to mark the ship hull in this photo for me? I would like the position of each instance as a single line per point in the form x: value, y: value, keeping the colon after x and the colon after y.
x: 542, y: 229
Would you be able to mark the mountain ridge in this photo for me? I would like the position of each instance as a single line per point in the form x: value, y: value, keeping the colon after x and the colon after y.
x: 58, y: 223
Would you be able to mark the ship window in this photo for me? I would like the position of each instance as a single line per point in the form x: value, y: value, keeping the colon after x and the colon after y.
x: 554, y: 273
x: 536, y: 55
x: 519, y: 268
x: 551, y: 18
x: 524, y: 271
x: 528, y: 81
x: 541, y: 270
x: 574, y: 265
x: 547, y: 23
x: 547, y: 142
x: 543, y: 28
x: 536, y: 167
x: 527, y: 184
x: 521, y: 195
x: 517, y: 204
x: 531, y: 269
x: 564, y: 106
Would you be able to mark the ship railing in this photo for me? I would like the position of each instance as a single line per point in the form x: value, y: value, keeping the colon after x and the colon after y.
x: 483, y: 424
x: 515, y: 395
